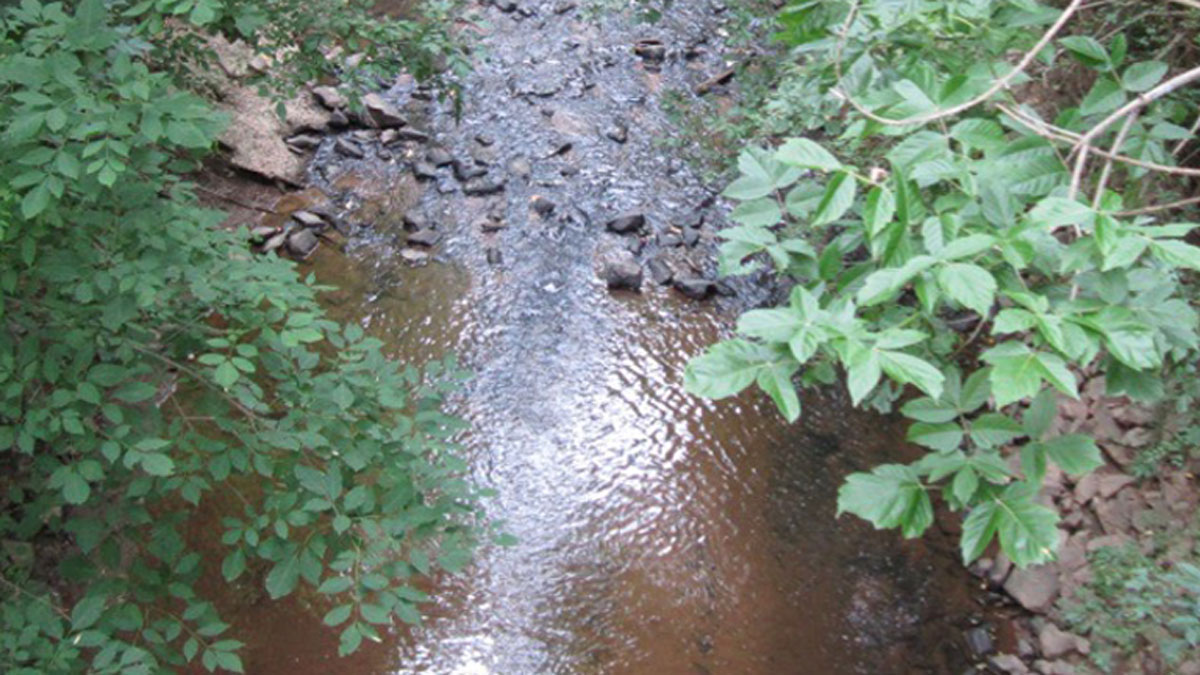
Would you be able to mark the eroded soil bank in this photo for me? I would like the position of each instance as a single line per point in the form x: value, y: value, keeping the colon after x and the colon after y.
x: 657, y: 532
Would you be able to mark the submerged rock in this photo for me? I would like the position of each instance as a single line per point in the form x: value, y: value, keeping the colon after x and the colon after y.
x: 696, y: 288
x: 425, y: 238
x: 302, y: 243
x: 483, y: 186
x: 660, y: 271
x: 349, y: 148
x: 627, y: 223
x: 439, y: 156
x: 620, y: 270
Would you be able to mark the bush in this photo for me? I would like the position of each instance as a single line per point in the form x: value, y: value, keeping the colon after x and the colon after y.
x: 147, y: 360
x: 975, y: 251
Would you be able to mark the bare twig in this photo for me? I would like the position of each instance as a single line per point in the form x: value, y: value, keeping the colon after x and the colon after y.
x: 998, y: 85
x: 1106, y: 173
x: 1140, y: 101
x: 1159, y: 207
x: 1183, y: 142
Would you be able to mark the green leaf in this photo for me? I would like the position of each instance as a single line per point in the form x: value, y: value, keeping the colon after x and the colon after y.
x: 1017, y: 373
x: 966, y: 482
x: 908, y: 369
x: 1105, y: 97
x: 879, y: 210
x: 725, y: 369
x: 993, y: 429
x: 226, y: 374
x: 233, y: 565
x: 930, y: 410
x: 806, y: 154
x: 757, y: 213
x: 282, y: 578
x: 335, y: 584
x: 978, y: 530
x: 157, y: 464
x: 1027, y: 530
x: 1075, y: 454
x: 1177, y: 253
x: 890, y: 496
x: 349, y: 640
x: 862, y: 373
x: 87, y: 612
x: 966, y: 247
x: 970, y: 285
x: 1143, y: 76
x: 1054, y: 212
x: 1040, y: 416
x: 1087, y: 49
x: 75, y: 488
x: 777, y: 383
x: 943, y: 437
x: 771, y: 325
x: 982, y: 134
x: 187, y: 135
x: 839, y: 197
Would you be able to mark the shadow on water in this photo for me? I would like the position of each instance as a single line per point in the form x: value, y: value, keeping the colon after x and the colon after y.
x: 658, y: 533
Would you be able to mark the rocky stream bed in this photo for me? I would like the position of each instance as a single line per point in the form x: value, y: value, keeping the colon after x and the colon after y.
x: 548, y: 237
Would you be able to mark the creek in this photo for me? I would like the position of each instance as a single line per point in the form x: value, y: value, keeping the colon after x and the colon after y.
x: 657, y: 532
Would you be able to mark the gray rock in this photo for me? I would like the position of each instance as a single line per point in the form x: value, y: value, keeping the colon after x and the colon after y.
x: 382, y: 114
x: 483, y: 155
x: 465, y: 171
x: 413, y: 135
x: 424, y: 171
x: 696, y: 288
x: 1034, y: 587
x: 262, y: 233
x: 494, y: 257
x: 660, y: 271
x: 339, y: 120
x: 309, y: 219
x: 1110, y: 484
x: 439, y: 156
x: 627, y: 223
x: 349, y: 148
x: 414, y: 256
x: 651, y: 51
x: 691, y: 236
x: 506, y: 6
x: 330, y: 97
x: 304, y: 141
x: 482, y: 186
x: 617, y: 131
x: 542, y: 206
x: 485, y: 140
x: 1008, y: 663
x: 519, y: 166
x: 669, y: 240
x: 302, y: 243
x: 564, y: 7
x: 620, y: 270
x: 415, y: 220
x: 425, y: 238
x: 275, y: 242
x: 979, y: 642
x: 1055, y: 642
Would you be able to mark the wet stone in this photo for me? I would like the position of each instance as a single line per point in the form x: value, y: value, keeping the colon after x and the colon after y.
x: 275, y: 242
x: 506, y: 6
x: 484, y: 155
x: 416, y: 220
x: 617, y: 131
x: 349, y: 148
x: 304, y: 141
x: 489, y: 225
x: 301, y: 243
x: 691, y: 237
x: 381, y: 113
x: 669, y: 240
x: 439, y: 156
x: 465, y: 171
x: 330, y: 97
x: 660, y: 271
x: 979, y: 641
x: 696, y: 288
x: 494, y: 257
x: 426, y: 238
x: 262, y: 232
x: 414, y: 256
x: 309, y: 219
x: 483, y: 186
x: 564, y: 7
x: 542, y: 206
x: 413, y: 135
x: 485, y: 140
x: 621, y: 271
x: 627, y: 223
x: 520, y: 166
x: 425, y: 171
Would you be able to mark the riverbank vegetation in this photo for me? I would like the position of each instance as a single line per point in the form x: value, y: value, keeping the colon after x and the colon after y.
x: 149, y: 363
x: 989, y: 200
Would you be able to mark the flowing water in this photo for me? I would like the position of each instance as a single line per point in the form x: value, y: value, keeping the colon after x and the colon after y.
x: 658, y: 533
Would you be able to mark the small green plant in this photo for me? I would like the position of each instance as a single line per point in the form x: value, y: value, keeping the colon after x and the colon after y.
x: 971, y: 236
x: 148, y: 361
x: 1134, y: 603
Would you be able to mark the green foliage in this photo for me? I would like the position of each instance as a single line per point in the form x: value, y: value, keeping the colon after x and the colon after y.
x: 957, y: 245
x: 149, y: 362
x: 1136, y: 603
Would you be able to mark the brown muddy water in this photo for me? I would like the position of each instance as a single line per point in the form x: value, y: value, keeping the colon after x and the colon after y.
x: 658, y: 533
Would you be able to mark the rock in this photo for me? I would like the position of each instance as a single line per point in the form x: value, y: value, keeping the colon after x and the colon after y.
x: 635, y: 245
x: 660, y: 271
x: 485, y: 140
x: 564, y: 7
x: 338, y: 120
x: 1034, y: 587
x: 1116, y: 514
x: 1138, y: 437
x: 652, y: 51
x: 415, y: 220
x: 691, y: 236
x: 275, y: 242
x: 414, y: 256
x: 304, y: 141
x: 389, y: 136
x: 1133, y: 415
x: 349, y: 148
x: 309, y: 219
x: 301, y: 243
x: 620, y: 270
x: 1086, y: 488
x: 439, y: 156
x: 482, y: 186
x: 628, y: 223
x: 696, y: 288
x: 424, y: 171
x: 542, y: 206
x: 413, y: 135
x: 262, y: 232
x: 330, y: 97
x: 618, y: 132
x: 1073, y: 554
x: 483, y: 155
x: 381, y: 113
x: 669, y: 240
x: 519, y: 166
x: 1001, y: 568
x: 979, y: 642
x: 425, y: 238
x: 1056, y: 643
x: 256, y: 133
x: 490, y: 224
x: 1008, y: 663
x: 494, y: 257
x: 1108, y: 485
x: 1055, y: 668
x: 506, y: 6
x: 465, y: 171
x: 1108, y: 540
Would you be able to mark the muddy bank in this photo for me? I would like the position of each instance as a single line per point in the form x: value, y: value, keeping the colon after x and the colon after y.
x: 549, y: 238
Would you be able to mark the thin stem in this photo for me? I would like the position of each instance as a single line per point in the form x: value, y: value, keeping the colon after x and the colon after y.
x: 1160, y: 207
x: 1106, y: 173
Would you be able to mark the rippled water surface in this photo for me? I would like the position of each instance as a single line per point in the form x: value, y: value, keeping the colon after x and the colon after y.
x: 658, y: 533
